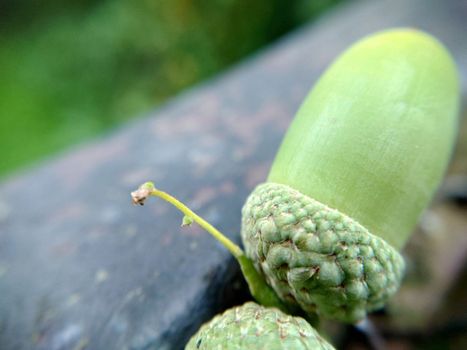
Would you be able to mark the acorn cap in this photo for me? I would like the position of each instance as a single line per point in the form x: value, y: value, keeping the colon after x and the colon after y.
x: 316, y: 257
x: 359, y: 163
x: 252, y: 326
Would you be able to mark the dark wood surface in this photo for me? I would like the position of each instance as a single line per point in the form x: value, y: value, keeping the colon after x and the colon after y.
x: 81, y: 268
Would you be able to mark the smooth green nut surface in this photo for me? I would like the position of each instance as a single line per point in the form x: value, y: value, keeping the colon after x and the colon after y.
x: 317, y: 257
x: 253, y: 327
x: 373, y: 137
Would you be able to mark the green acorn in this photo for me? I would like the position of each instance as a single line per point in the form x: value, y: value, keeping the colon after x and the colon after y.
x: 358, y: 165
x: 360, y: 162
x: 254, y: 327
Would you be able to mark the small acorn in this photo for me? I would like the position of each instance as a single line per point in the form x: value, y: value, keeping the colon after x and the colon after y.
x: 255, y: 327
x: 360, y: 162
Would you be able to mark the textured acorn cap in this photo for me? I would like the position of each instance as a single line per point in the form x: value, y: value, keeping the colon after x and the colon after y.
x: 316, y: 257
x: 254, y: 327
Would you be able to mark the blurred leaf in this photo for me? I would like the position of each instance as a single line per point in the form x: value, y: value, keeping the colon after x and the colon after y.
x: 71, y: 70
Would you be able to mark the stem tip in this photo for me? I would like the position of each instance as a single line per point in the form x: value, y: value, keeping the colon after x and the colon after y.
x: 142, y: 193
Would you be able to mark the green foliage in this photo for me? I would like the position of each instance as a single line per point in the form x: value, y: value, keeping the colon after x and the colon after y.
x: 72, y: 70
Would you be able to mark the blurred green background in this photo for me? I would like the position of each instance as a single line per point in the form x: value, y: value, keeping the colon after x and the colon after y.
x: 69, y: 70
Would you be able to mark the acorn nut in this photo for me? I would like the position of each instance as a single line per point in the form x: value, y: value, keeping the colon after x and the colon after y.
x: 360, y: 162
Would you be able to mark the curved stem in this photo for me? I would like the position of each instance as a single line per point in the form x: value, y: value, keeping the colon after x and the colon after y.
x: 259, y: 289
x: 231, y: 246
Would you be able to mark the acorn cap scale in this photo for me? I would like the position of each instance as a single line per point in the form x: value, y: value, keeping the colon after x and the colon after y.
x: 359, y: 163
x: 255, y: 327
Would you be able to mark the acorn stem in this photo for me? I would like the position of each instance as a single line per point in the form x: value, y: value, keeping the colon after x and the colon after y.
x: 259, y: 289
x: 231, y: 246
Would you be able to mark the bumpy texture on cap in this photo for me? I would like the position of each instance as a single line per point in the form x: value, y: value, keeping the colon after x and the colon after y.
x: 317, y: 257
x: 254, y: 327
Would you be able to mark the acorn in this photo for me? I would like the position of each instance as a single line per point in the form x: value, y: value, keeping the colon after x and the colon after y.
x: 358, y: 165
x: 360, y: 162
x: 255, y: 327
